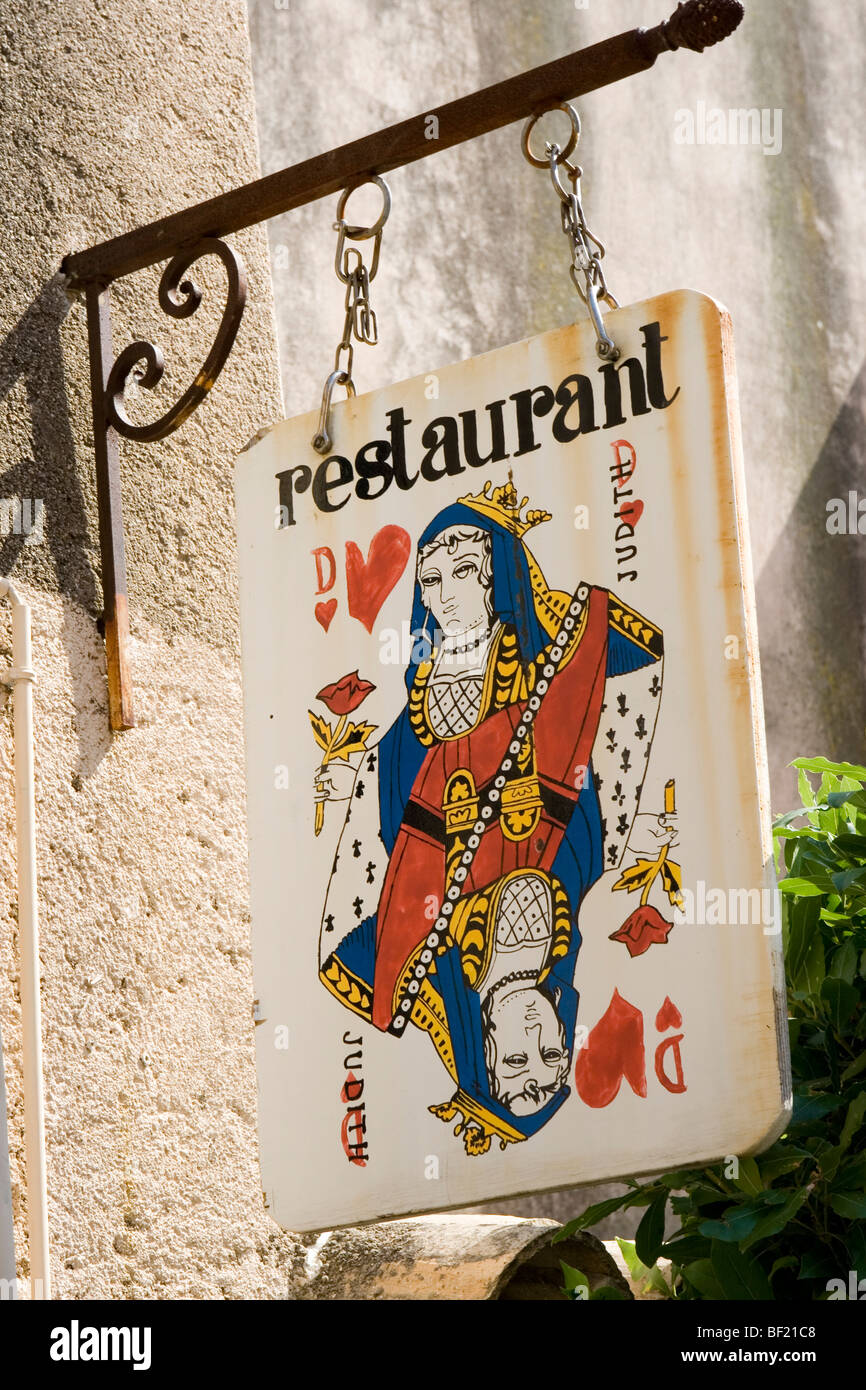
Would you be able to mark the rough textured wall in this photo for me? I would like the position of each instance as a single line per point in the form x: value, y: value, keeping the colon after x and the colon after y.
x: 111, y: 116
x: 473, y: 257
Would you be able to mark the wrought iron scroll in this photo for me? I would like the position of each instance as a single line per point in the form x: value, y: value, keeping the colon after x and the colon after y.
x: 180, y: 298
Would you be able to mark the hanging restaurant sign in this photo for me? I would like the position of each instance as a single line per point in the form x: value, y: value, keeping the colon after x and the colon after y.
x: 512, y: 891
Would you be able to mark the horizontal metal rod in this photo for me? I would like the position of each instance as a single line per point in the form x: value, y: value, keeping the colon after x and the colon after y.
x: 696, y: 24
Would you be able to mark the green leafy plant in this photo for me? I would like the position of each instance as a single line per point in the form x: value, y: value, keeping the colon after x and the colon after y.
x: 780, y: 1225
x: 647, y: 1279
x: 576, y: 1286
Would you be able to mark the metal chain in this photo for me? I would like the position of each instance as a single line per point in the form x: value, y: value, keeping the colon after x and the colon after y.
x: 587, y: 251
x: 360, y: 320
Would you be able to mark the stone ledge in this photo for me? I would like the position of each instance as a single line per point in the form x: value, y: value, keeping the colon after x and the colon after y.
x: 449, y: 1257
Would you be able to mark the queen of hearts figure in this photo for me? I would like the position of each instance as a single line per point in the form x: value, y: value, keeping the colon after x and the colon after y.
x: 495, y: 991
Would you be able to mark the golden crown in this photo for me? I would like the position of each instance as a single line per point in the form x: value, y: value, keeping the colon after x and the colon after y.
x: 502, y: 506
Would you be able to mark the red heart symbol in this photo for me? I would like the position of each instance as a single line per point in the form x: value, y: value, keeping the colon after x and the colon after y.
x: 631, y: 513
x: 668, y: 1016
x: 613, y: 1050
x: 369, y: 582
x: 325, y: 612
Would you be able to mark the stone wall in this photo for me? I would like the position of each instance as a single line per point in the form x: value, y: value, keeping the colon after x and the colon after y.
x: 112, y: 115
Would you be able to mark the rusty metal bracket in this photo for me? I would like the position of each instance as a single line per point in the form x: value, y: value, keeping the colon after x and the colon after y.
x: 184, y: 237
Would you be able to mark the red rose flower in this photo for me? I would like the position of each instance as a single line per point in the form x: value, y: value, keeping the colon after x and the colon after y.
x: 346, y: 694
x: 641, y: 929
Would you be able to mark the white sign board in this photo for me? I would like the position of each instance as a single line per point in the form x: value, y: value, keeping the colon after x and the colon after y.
x: 514, y: 916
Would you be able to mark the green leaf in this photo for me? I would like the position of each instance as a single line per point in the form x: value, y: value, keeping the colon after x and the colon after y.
x: 701, y: 1195
x: 853, y: 845
x: 782, y: 1158
x: 739, y: 1276
x: 841, y: 1000
x: 771, y: 1197
x: 852, y: 1173
x: 850, y: 1205
x: 808, y: 1108
x: 650, y: 1233
x: 843, y: 962
x: 818, y: 1264
x: 641, y: 1274
x: 848, y: 878
x: 853, y: 1120
x: 683, y: 1178
x: 804, y: 787
x: 574, y: 1279
x: 855, y: 1067
x: 636, y: 1267
x: 749, y: 1178
x: 609, y: 1293
x: 776, y: 1220
x: 734, y: 1224
x: 801, y: 928
x: 784, y: 1262
x: 822, y: 765
x: 855, y: 1244
x: 691, y: 1247
x: 658, y: 1283
x: 817, y: 1146
x: 597, y: 1213
x: 701, y: 1275
x: 780, y: 1167
x: 801, y: 888
x: 813, y: 966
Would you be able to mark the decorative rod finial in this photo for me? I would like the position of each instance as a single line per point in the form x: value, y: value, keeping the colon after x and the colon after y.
x: 698, y: 24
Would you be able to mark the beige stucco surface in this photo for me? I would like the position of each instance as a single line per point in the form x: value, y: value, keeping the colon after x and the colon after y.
x: 112, y: 115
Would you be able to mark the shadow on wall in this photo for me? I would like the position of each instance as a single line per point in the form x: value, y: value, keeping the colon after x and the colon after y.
x: 812, y: 656
x: 42, y: 494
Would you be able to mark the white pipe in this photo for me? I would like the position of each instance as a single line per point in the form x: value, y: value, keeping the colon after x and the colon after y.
x: 8, y: 1287
x: 20, y: 678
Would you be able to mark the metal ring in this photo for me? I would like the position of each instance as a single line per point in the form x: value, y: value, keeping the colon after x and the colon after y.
x: 572, y: 139
x: 362, y: 233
